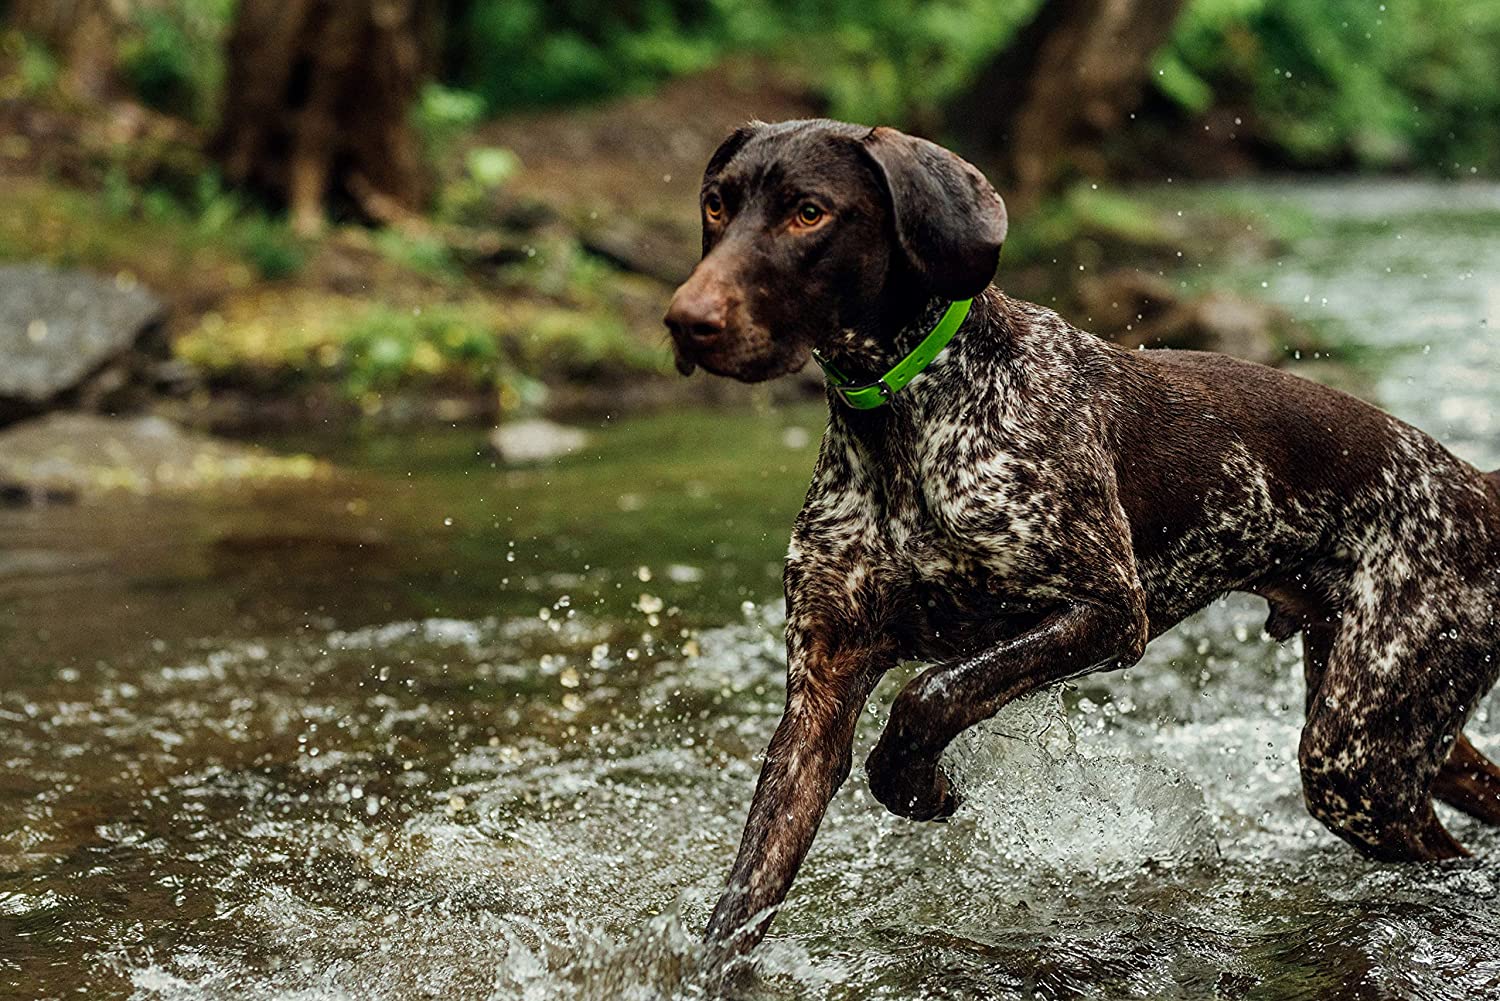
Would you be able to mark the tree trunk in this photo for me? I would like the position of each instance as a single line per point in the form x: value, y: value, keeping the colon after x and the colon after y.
x: 317, y: 102
x: 1070, y: 76
x: 83, y: 35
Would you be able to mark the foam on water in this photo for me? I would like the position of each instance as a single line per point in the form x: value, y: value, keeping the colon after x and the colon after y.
x: 1138, y: 836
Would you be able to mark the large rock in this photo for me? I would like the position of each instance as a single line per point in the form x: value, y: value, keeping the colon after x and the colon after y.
x: 1136, y: 309
x: 66, y: 456
x: 61, y: 329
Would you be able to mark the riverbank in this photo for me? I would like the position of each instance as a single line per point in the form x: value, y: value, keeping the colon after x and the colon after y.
x: 537, y: 283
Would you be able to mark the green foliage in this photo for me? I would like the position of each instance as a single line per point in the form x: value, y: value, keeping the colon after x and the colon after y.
x: 522, y: 53
x: 486, y: 169
x: 896, y: 60
x: 385, y: 347
x: 443, y: 114
x: 270, y: 247
x: 33, y: 67
x: 171, y: 55
x: 212, y: 213
x: 1085, y: 213
x: 891, y: 60
x: 158, y: 63
x: 491, y: 166
x: 1342, y: 82
x: 1379, y: 84
x: 425, y: 254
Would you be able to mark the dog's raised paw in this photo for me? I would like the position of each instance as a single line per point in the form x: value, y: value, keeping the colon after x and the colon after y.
x: 915, y: 792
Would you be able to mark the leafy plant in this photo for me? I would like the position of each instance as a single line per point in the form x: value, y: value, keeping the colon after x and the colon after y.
x: 443, y: 114
x: 428, y: 255
x: 525, y: 53
x: 270, y: 247
x: 33, y: 69
x: 171, y: 55
x: 387, y: 347
x: 1347, y: 81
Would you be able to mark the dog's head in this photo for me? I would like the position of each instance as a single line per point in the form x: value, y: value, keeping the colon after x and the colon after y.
x: 813, y: 230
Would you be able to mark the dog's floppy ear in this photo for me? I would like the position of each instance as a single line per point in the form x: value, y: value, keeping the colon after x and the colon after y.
x: 729, y: 147
x: 949, y: 219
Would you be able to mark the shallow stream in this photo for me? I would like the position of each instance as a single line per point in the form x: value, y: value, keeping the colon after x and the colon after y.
x: 432, y: 728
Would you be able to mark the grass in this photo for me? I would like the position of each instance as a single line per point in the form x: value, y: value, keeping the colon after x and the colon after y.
x: 73, y: 228
x: 255, y: 306
x: 473, y: 344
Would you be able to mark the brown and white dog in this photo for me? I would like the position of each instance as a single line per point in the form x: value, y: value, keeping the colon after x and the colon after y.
x: 1038, y: 504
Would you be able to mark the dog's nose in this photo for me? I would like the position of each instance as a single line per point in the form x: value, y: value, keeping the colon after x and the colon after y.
x: 697, y: 313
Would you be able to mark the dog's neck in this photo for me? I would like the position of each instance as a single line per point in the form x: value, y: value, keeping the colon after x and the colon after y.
x: 866, y: 356
x: 869, y: 350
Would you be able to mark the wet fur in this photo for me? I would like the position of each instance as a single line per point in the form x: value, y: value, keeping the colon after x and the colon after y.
x: 1039, y: 504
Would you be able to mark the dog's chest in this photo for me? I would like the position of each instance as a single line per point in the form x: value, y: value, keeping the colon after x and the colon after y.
x: 959, y: 590
x: 956, y: 524
x: 962, y: 502
x: 943, y: 524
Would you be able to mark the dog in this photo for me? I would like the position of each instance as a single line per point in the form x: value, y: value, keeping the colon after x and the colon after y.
x: 1036, y: 504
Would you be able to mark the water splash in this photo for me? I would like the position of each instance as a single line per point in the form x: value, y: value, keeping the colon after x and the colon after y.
x: 1039, y: 796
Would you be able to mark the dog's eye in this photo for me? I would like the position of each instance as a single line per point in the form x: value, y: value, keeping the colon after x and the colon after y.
x: 713, y: 206
x: 809, y: 214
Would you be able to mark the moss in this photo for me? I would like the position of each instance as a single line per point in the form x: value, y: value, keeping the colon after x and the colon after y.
x: 301, y: 335
x: 276, y: 322
x: 109, y: 232
x: 213, y: 239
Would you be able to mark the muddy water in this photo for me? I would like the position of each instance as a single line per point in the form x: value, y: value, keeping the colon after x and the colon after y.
x: 437, y: 729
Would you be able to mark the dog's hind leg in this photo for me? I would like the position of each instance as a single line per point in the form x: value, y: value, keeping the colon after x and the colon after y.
x: 1380, y: 726
x: 1470, y: 782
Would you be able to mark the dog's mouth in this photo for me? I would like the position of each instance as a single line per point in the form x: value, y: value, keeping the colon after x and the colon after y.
x: 743, y: 365
x: 733, y: 353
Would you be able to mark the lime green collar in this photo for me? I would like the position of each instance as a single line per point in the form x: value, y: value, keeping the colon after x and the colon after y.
x: 882, y: 390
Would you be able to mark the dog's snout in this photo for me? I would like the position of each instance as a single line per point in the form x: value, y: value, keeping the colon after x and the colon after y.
x: 698, y: 312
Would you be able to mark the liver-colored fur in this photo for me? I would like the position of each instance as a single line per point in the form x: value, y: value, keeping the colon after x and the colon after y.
x: 1039, y: 504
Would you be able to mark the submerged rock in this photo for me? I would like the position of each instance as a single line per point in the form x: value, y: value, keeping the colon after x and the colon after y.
x: 66, y: 456
x: 536, y: 440
x: 60, y: 330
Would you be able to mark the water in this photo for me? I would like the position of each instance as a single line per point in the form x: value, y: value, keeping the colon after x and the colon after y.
x: 435, y: 729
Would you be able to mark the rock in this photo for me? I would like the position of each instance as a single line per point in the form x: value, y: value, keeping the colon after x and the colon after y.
x: 536, y: 440
x: 1117, y: 300
x: 1233, y: 325
x: 61, y: 329
x: 65, y: 456
x: 1135, y: 309
x: 656, y: 249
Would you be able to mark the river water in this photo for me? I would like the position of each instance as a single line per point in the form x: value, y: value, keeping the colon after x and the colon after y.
x: 431, y: 728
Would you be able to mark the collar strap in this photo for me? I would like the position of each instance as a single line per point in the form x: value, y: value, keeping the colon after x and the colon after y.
x: 884, y: 389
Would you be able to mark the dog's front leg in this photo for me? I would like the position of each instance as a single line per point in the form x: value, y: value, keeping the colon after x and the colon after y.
x: 945, y: 700
x: 808, y: 759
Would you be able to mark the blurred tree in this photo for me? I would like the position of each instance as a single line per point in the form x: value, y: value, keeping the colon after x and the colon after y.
x: 81, y: 32
x: 1068, y: 77
x: 317, y: 104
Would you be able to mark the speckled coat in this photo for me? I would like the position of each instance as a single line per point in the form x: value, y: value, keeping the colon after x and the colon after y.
x: 1039, y: 504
